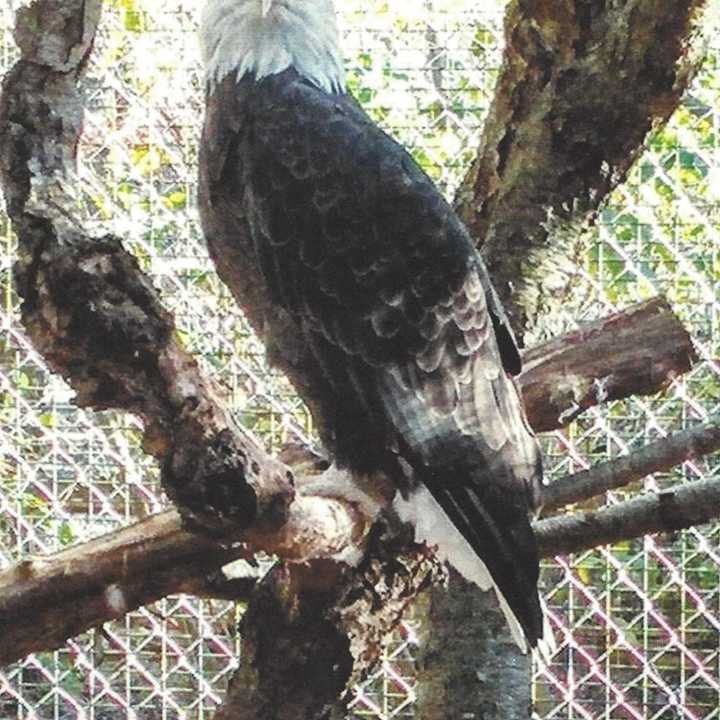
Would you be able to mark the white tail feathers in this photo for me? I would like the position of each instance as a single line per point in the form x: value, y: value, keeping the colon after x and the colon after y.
x: 433, y: 527
x: 512, y: 621
x: 547, y: 645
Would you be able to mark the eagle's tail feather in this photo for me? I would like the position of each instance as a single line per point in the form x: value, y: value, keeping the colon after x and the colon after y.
x: 448, y: 533
x: 494, y: 520
x: 547, y: 644
x: 516, y: 629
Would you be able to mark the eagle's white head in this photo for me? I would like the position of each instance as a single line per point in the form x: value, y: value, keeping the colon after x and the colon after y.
x: 265, y: 37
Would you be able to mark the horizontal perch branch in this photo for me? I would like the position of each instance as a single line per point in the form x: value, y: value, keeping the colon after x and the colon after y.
x: 665, y: 512
x: 97, y: 581
x: 657, y: 456
x: 160, y: 558
x: 46, y: 600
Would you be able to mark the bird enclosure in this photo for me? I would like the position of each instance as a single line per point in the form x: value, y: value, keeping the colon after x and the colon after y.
x: 637, y: 625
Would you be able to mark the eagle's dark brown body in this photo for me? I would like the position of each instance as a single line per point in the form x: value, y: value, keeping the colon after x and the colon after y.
x: 346, y: 247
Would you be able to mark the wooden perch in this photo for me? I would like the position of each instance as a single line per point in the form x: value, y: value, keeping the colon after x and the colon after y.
x: 657, y: 456
x: 68, y: 592
x: 44, y: 601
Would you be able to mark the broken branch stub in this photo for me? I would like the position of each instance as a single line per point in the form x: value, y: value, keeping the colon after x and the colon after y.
x: 638, y: 351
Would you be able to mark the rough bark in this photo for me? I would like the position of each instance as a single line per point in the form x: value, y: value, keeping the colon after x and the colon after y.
x: 562, y: 132
x: 88, y: 308
x: 310, y: 634
x: 583, y: 83
x: 636, y: 352
x: 460, y: 631
x: 46, y: 600
x: 141, y: 564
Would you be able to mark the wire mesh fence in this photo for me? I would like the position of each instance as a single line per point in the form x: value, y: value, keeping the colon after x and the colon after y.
x: 638, y: 624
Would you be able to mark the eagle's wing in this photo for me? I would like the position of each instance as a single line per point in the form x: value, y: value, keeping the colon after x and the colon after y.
x: 355, y: 241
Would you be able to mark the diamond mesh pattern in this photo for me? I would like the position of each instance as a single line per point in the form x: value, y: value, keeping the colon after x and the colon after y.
x: 638, y: 625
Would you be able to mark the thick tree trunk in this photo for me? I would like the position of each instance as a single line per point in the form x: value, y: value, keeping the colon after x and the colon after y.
x: 469, y: 666
x: 583, y: 84
x: 311, y: 633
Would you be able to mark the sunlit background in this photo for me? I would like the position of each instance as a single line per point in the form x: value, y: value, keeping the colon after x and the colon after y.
x: 638, y: 625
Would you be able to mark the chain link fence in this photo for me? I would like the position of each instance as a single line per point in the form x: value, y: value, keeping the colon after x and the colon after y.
x: 638, y: 625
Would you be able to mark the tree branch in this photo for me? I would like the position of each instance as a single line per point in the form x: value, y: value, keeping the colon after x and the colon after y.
x: 98, y: 581
x: 668, y: 511
x: 564, y: 130
x: 655, y: 457
x: 88, y: 308
x: 44, y: 601
x: 635, y: 352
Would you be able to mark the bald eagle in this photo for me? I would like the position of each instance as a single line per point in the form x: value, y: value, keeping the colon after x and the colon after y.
x: 351, y: 241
